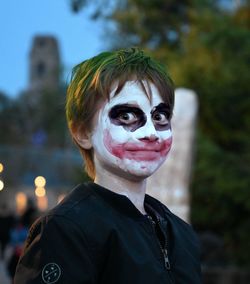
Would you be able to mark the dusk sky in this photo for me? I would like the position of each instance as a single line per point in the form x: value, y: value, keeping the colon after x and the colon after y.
x: 20, y: 20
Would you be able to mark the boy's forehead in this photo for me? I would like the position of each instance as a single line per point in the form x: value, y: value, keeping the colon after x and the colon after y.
x: 133, y: 93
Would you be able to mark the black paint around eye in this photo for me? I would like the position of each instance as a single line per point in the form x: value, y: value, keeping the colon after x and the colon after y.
x: 117, y: 111
x: 162, y: 108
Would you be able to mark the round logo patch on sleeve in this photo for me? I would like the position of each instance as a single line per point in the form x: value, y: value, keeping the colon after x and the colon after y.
x: 51, y: 273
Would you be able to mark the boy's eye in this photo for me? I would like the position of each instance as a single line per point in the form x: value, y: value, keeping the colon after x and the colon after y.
x: 130, y: 116
x: 127, y: 117
x: 160, y: 118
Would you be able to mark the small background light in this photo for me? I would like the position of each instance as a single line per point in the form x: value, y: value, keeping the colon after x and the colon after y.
x: 21, y: 202
x: 40, y: 191
x: 1, y: 167
x: 40, y: 181
x: 1, y: 185
x: 42, y: 203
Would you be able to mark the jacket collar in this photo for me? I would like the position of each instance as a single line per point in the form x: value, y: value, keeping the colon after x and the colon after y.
x: 123, y: 204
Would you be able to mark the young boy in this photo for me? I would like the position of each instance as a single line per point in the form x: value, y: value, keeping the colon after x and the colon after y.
x: 119, y: 108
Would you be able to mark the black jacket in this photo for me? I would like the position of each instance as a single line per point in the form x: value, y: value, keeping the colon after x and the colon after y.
x: 98, y: 236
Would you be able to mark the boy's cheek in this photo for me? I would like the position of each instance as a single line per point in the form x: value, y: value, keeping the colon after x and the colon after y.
x: 167, y: 146
x: 117, y: 133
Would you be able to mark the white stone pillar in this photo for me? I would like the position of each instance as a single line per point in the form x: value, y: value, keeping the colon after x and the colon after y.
x: 170, y: 184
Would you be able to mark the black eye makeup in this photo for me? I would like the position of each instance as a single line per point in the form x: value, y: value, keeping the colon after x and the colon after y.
x: 160, y: 116
x: 129, y: 116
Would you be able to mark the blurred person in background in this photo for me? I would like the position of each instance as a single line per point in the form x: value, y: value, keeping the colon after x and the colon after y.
x: 18, y: 235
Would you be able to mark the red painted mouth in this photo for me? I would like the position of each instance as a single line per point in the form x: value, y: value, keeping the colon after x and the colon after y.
x: 141, y: 155
x: 144, y: 146
x: 143, y: 151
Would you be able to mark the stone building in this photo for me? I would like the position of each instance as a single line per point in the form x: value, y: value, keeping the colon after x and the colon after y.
x: 44, y: 64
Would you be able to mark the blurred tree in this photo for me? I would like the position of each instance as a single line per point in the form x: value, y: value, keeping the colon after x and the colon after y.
x: 42, y: 123
x: 206, y: 45
x: 217, y: 67
x: 10, y: 123
x: 5, y: 103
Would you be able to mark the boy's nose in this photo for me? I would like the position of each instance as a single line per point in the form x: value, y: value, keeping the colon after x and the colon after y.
x: 149, y: 132
x: 151, y: 138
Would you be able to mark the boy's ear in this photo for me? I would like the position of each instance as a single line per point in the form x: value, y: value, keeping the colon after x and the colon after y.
x: 82, y: 137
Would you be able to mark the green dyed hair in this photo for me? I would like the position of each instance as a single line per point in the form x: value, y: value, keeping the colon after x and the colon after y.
x: 93, y: 79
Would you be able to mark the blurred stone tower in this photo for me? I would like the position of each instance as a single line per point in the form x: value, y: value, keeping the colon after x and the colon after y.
x: 44, y: 70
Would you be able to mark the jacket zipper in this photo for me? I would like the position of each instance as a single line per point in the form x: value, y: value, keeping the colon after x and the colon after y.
x: 164, y: 250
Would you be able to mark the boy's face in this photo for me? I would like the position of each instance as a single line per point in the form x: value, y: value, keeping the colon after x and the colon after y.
x: 132, y: 136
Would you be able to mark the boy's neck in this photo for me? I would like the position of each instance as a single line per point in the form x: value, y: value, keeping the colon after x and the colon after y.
x: 134, y: 190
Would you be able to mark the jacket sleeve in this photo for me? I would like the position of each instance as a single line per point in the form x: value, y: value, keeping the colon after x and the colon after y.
x: 56, y: 251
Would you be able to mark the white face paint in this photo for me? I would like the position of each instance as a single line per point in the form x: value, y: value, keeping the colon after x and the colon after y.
x: 132, y: 137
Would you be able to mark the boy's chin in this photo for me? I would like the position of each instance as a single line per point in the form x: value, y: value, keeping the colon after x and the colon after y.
x: 138, y: 171
x: 129, y: 169
x: 140, y: 174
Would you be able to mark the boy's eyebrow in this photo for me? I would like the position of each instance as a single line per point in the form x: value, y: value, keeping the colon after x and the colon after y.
x: 134, y: 105
x: 159, y: 107
x: 124, y: 107
x: 128, y: 104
